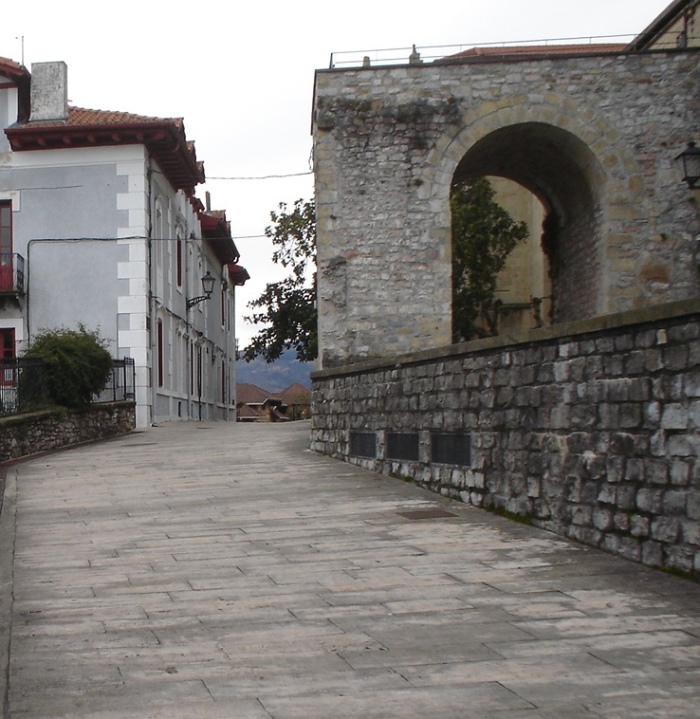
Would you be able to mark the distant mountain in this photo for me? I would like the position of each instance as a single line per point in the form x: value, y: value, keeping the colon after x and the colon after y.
x: 275, y: 376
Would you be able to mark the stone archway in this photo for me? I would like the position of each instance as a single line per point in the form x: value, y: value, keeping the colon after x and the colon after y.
x: 564, y: 174
x: 586, y: 135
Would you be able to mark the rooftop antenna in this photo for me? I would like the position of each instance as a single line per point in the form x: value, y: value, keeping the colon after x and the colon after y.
x: 21, y: 38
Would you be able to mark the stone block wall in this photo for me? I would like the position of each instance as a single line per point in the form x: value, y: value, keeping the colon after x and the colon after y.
x: 33, y: 432
x: 590, y: 430
x: 593, y: 137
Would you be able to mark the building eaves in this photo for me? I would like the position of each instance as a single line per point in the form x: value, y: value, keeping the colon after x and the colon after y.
x: 657, y: 27
x: 216, y: 231
x: 164, y: 139
x: 11, y: 69
x: 237, y: 275
x: 21, y: 78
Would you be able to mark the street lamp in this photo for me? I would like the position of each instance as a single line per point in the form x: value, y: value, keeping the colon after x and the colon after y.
x: 691, y: 165
x: 208, y: 282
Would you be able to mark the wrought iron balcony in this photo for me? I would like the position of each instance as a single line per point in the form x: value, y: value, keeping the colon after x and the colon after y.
x: 11, y: 274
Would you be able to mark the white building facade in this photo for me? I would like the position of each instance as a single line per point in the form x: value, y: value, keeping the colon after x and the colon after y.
x: 100, y: 226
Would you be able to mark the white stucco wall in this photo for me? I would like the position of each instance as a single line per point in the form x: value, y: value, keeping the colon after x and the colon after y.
x: 83, y: 219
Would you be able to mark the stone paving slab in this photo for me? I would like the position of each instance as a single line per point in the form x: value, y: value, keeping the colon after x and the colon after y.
x: 215, y: 571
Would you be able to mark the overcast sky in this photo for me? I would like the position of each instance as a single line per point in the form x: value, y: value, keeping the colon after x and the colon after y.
x: 241, y: 74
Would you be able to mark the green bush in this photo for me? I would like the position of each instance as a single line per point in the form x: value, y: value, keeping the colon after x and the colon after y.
x: 32, y: 390
x: 76, y: 364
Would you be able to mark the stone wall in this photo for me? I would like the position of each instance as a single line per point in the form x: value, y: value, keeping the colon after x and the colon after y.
x: 593, y: 137
x: 591, y: 430
x: 32, y: 432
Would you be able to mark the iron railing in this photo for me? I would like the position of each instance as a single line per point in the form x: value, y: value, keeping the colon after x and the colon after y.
x: 431, y: 53
x: 23, y: 384
x: 121, y: 385
x: 11, y: 273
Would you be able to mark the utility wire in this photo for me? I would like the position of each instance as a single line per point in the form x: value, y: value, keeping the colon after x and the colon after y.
x: 264, y: 177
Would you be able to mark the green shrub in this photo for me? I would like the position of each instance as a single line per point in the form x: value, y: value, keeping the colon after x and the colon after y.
x: 32, y: 391
x: 76, y: 364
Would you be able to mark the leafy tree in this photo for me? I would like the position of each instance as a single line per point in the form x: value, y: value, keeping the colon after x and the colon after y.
x: 288, y: 307
x: 76, y: 365
x: 483, y: 235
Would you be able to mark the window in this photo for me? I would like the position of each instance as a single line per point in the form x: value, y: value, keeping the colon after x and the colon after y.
x: 363, y: 444
x: 159, y: 258
x: 402, y: 445
x: 5, y: 246
x: 191, y: 369
x: 451, y: 448
x: 199, y: 373
x: 160, y: 353
x: 178, y: 252
x: 7, y: 353
x: 7, y: 343
x: 223, y: 382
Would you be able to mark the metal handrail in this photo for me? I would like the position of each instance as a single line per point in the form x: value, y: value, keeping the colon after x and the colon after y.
x: 23, y: 384
x: 428, y: 53
x: 11, y: 272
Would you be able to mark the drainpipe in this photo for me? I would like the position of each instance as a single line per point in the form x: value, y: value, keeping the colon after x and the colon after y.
x: 200, y: 378
x: 151, y: 296
x: 189, y: 349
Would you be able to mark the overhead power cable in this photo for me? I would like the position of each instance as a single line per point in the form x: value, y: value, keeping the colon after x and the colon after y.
x: 264, y: 177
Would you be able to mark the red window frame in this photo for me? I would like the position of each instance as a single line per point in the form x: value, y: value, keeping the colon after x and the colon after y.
x: 191, y: 368
x: 7, y: 353
x: 178, y: 253
x: 6, y: 274
x: 223, y: 382
x: 160, y: 352
x: 199, y: 373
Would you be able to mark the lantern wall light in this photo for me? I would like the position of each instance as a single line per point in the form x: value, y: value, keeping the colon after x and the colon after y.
x: 690, y: 158
x: 208, y: 282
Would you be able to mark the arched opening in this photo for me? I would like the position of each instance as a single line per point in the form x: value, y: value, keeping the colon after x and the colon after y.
x: 561, y: 176
x: 500, y: 273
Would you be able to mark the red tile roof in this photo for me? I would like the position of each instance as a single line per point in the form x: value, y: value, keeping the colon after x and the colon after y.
x: 514, y: 51
x: 84, y: 117
x: 216, y: 229
x: 12, y: 67
x: 20, y: 76
x: 256, y: 404
x: 237, y: 274
x: 245, y: 413
x: 251, y: 393
x: 164, y: 138
x: 246, y: 392
x: 295, y: 394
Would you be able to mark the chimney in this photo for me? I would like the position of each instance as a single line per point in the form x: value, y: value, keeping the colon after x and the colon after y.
x: 49, y: 91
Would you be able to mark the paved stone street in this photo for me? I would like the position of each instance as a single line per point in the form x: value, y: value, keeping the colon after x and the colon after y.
x: 223, y: 571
